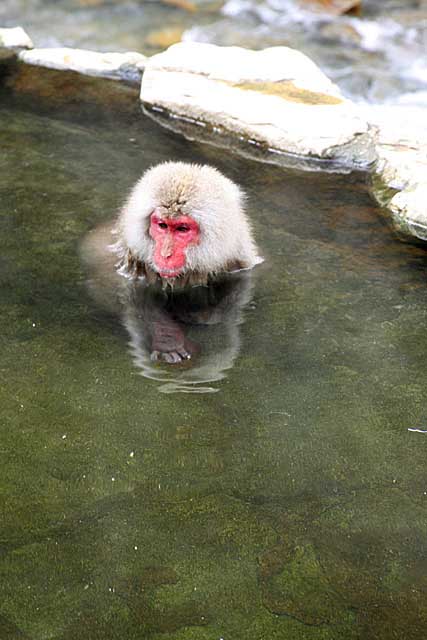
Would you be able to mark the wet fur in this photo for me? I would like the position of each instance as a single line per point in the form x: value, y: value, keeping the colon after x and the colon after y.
x: 214, y: 201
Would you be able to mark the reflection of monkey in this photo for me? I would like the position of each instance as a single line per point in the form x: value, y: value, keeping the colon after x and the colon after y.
x: 184, y: 224
x: 200, y: 323
x: 196, y: 329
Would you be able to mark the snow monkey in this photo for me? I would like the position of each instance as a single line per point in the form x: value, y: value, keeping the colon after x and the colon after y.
x: 184, y: 224
x: 186, y: 247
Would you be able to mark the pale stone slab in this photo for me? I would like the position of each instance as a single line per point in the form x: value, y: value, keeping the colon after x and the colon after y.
x: 402, y: 164
x: 409, y: 210
x: 12, y: 40
x: 15, y: 38
x: 277, y: 98
x: 117, y: 66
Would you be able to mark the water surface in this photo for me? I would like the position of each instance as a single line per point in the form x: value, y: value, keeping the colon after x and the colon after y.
x: 292, y: 502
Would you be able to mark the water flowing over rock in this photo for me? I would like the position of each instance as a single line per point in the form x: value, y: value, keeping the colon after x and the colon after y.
x: 375, y: 56
x: 276, y: 98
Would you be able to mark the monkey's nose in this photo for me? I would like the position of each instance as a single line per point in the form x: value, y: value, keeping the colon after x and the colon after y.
x: 167, y: 248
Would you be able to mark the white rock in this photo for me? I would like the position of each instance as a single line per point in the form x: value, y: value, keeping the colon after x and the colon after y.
x: 409, y: 209
x: 117, y: 66
x: 277, y: 97
x: 15, y: 37
x: 402, y: 163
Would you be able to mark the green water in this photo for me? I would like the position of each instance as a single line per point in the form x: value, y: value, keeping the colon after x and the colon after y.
x: 291, y: 503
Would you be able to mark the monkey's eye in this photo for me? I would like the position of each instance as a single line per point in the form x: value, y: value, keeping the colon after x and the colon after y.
x: 182, y: 228
x: 163, y: 225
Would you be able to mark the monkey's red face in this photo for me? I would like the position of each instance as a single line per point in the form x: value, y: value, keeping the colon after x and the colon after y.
x: 172, y: 237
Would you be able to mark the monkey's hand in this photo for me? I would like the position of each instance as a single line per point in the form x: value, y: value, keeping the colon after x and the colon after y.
x: 168, y: 343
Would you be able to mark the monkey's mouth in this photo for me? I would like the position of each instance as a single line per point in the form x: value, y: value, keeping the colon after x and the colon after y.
x: 169, y: 273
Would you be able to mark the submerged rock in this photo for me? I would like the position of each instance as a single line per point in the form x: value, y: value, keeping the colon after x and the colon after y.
x: 164, y: 37
x: 196, y: 5
x: 276, y: 98
x: 336, y: 7
x: 117, y: 66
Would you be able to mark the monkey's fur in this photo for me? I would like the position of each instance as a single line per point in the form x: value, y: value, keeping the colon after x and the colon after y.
x: 202, y: 192
x: 176, y: 323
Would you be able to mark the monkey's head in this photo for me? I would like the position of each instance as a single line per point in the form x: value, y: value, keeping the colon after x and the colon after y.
x: 184, y: 219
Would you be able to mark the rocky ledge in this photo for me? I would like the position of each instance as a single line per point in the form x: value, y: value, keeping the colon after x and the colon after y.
x: 276, y: 98
x: 400, y: 174
x: 275, y: 105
